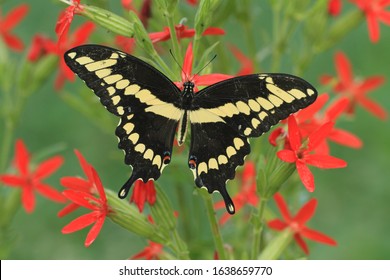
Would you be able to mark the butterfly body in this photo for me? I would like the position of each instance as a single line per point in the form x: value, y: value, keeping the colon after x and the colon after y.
x: 152, y: 109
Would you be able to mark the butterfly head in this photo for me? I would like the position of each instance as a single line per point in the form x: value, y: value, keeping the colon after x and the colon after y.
x: 188, y: 88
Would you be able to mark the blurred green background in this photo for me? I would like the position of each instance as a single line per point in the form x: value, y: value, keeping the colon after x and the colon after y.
x: 354, y: 203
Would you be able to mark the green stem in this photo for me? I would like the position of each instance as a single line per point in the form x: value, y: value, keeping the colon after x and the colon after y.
x: 174, y: 39
x: 213, y: 224
x: 180, y: 247
x: 6, y: 143
x: 258, y: 229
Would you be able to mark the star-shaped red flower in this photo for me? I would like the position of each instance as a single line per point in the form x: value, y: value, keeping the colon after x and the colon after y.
x: 355, y: 90
x: 98, y: 205
x: 32, y: 180
x: 8, y: 22
x: 198, y: 80
x: 182, y: 31
x: 65, y: 19
x: 375, y: 11
x: 297, y: 223
x: 150, y: 252
x: 78, y: 184
x: 143, y: 192
x: 301, y: 152
x: 247, y: 193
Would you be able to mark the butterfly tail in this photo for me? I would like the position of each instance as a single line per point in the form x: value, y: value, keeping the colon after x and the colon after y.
x: 126, y: 187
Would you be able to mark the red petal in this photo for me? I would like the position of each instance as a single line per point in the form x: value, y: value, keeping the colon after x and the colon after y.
x: 150, y: 192
x: 81, y: 198
x: 326, y: 79
x: 287, y: 156
x: 309, y: 112
x: 68, y: 209
x: 14, y: 17
x: 84, y: 165
x: 77, y: 184
x: 277, y: 224
x: 343, y: 68
x: 80, y: 222
x: 209, y: 79
x: 301, y: 243
x: 275, y: 134
x: 94, y: 231
x: 280, y: 202
x: 48, y: 167
x: 294, y: 135
x: 99, y: 185
x: 160, y: 36
x: 82, y: 33
x: 213, y: 31
x: 225, y: 217
x: 318, y: 236
x: 13, y: 42
x: 306, y: 176
x: 139, y: 194
x: 373, y: 27
x: 373, y: 107
x: 384, y: 16
x: 50, y: 193
x: 336, y: 109
x: 187, y: 65
x: 12, y: 180
x: 370, y: 84
x: 334, y: 7
x: 345, y: 138
x: 28, y: 199
x: 325, y: 161
x: 22, y: 157
x: 306, y: 212
x: 319, y: 135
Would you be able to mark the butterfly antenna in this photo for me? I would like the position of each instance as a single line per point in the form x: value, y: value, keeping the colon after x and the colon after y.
x: 181, y: 68
x: 211, y: 60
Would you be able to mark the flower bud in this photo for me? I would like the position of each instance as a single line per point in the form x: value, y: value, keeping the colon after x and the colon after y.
x: 109, y: 20
x: 162, y: 211
x: 277, y: 246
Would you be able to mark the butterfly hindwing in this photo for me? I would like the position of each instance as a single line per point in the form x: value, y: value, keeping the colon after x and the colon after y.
x: 141, y: 96
x: 225, y: 114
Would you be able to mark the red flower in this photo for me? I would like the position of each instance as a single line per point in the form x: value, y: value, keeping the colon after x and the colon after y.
x: 334, y: 7
x: 182, y: 31
x: 46, y: 46
x: 309, y: 119
x: 247, y: 194
x: 65, y: 19
x: 98, y: 206
x: 297, y: 223
x: 301, y: 152
x: 198, y: 80
x: 246, y: 63
x: 30, y: 181
x: 125, y: 44
x: 151, y: 252
x: 78, y: 184
x: 8, y: 23
x: 143, y: 192
x: 192, y: 2
x: 375, y: 12
x: 355, y: 89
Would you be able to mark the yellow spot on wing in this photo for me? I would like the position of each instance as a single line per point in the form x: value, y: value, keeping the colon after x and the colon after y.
x: 254, y: 105
x: 238, y: 143
x: 229, y: 109
x: 149, y: 154
x: 243, y: 107
x: 264, y: 103
x: 134, y: 138
x: 122, y: 84
x: 157, y: 161
x: 275, y: 100
x: 128, y: 127
x: 255, y: 123
x: 72, y: 55
x: 103, y: 72
x: 213, y: 164
x: 84, y: 60
x: 100, y: 64
x: 113, y: 78
x: 132, y: 89
x: 297, y: 93
x: 202, y: 167
x: 222, y: 159
x: 204, y: 116
x: 166, y: 110
x: 115, y: 100
x: 230, y: 151
x: 280, y: 93
x: 140, y: 148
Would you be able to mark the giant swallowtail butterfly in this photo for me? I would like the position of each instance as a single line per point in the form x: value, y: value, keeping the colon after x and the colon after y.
x: 152, y: 108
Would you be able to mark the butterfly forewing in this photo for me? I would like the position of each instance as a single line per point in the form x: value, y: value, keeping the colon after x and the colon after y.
x: 141, y: 96
x: 224, y: 115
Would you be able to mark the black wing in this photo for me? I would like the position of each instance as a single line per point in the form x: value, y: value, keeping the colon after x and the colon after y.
x: 225, y: 114
x: 141, y: 96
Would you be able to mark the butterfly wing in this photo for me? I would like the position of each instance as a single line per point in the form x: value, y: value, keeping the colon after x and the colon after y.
x: 141, y: 96
x: 225, y: 114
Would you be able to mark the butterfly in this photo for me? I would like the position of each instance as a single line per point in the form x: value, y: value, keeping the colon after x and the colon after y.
x: 152, y: 109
